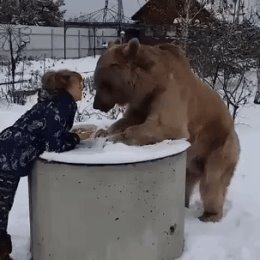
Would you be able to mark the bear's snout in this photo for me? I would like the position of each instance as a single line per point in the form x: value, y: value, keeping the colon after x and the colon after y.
x: 102, y: 106
x: 96, y: 104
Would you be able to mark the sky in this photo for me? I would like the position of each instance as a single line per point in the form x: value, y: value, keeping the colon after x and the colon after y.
x: 77, y: 7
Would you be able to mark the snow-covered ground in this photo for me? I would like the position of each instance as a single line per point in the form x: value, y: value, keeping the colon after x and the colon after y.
x: 236, y: 237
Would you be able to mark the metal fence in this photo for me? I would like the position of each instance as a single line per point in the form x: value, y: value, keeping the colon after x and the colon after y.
x: 48, y: 42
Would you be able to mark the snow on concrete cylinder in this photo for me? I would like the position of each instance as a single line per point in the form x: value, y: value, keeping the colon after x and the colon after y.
x: 110, y: 203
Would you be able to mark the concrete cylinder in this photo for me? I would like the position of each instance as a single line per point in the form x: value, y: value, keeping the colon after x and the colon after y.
x: 129, y: 211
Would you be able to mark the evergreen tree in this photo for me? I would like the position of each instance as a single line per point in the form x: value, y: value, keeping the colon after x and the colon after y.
x: 8, y: 11
x: 32, y: 12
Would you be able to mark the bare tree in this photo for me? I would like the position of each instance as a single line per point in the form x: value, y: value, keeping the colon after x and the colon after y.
x: 235, y: 88
x: 14, y: 40
x: 189, y: 17
x: 222, y: 53
x: 255, y: 18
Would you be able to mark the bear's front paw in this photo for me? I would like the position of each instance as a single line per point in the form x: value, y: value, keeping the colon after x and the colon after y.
x: 122, y: 138
x: 101, y: 133
x: 116, y: 138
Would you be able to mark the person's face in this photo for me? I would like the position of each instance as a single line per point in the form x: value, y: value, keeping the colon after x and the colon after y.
x: 75, y: 89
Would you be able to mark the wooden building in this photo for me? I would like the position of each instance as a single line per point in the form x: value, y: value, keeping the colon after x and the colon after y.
x: 165, y: 19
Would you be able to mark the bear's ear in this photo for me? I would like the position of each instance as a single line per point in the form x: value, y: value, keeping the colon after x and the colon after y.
x: 112, y: 43
x: 132, y: 47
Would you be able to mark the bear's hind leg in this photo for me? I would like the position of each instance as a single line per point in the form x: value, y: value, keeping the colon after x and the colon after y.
x: 213, y: 196
x: 213, y: 188
x: 192, y: 178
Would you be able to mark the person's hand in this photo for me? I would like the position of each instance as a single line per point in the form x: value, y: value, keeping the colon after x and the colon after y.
x: 84, y: 132
x: 83, y: 135
x: 78, y: 130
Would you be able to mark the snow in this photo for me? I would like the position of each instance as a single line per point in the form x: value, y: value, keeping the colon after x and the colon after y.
x: 236, y: 237
x: 98, y: 151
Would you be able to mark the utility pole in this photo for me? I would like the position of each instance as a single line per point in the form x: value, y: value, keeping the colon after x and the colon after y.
x: 105, y: 11
x: 120, y: 11
x: 117, y: 10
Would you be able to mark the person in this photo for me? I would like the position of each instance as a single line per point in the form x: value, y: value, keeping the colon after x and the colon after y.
x: 45, y: 127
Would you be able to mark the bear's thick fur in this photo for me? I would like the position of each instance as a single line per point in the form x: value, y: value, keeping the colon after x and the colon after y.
x: 166, y: 100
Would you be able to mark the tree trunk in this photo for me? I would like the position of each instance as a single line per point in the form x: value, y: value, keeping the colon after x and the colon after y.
x: 257, y: 95
x: 13, y: 65
x: 185, y: 29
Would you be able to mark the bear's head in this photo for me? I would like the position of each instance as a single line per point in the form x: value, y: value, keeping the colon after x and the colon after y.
x: 117, y: 73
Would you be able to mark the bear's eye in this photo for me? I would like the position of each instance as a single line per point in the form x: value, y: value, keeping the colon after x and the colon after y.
x: 115, y: 65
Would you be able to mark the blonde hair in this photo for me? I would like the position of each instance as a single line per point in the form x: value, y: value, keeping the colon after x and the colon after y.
x: 57, y: 82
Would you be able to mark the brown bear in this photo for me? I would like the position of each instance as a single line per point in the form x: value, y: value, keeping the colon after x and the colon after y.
x: 166, y: 100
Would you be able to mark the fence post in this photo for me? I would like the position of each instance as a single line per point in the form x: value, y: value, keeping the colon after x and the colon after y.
x: 52, y: 44
x: 94, y: 34
x: 20, y: 37
x: 79, y: 44
x: 65, y: 44
x: 44, y: 62
x: 89, y: 42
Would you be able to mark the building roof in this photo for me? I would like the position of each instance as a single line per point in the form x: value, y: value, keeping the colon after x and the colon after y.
x: 166, y: 12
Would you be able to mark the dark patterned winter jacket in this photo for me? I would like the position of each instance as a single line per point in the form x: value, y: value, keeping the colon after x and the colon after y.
x: 45, y: 127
